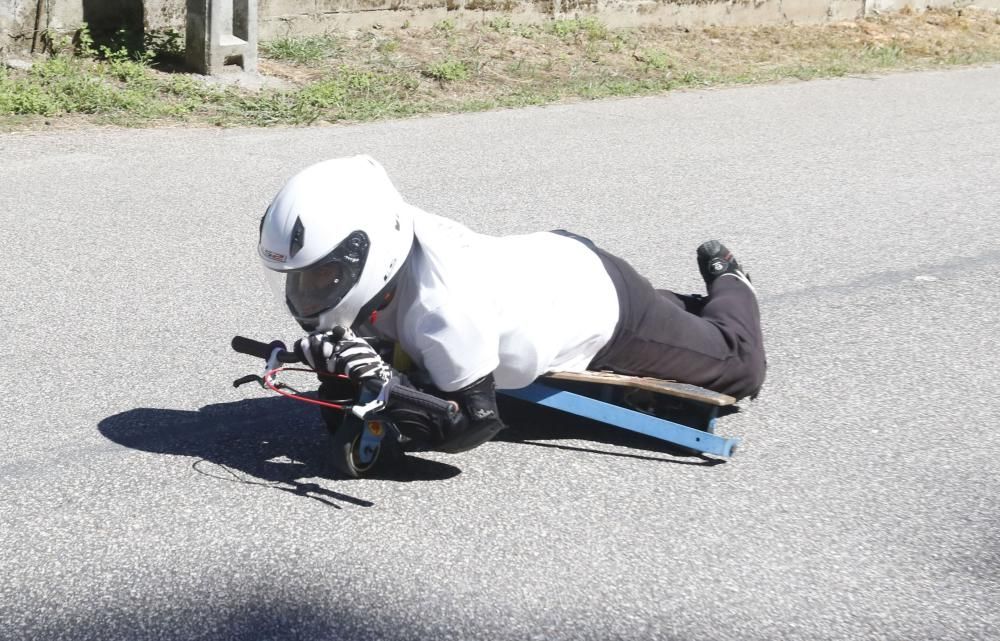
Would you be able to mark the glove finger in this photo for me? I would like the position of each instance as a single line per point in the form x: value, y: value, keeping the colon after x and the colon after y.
x: 317, y: 343
x: 349, y: 343
x: 364, y: 370
x: 360, y: 359
x: 355, y: 351
x: 303, y: 352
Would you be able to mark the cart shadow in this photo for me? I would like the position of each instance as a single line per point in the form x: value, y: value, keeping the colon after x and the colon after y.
x: 530, y: 424
x: 268, y: 442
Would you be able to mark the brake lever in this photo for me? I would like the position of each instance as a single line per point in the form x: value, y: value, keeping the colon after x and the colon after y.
x: 249, y: 378
x: 377, y: 403
x: 271, y: 364
x: 253, y: 378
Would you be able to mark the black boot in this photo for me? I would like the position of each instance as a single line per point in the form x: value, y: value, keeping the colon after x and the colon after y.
x: 714, y: 260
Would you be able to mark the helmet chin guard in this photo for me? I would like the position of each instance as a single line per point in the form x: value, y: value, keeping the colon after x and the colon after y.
x: 333, y: 241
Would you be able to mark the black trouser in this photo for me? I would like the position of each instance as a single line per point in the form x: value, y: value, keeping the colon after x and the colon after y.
x: 713, y: 342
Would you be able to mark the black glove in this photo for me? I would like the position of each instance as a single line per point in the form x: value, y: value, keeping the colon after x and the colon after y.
x: 349, y: 355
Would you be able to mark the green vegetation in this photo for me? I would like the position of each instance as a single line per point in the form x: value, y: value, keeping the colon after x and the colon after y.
x: 654, y: 59
x: 69, y: 85
x: 447, y: 70
x: 301, y: 50
x: 591, y: 28
x: 500, y: 23
x: 445, y: 27
x: 382, y: 73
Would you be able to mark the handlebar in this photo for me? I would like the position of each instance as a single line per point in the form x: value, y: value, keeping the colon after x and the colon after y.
x: 400, y: 395
x: 395, y: 394
x: 250, y: 347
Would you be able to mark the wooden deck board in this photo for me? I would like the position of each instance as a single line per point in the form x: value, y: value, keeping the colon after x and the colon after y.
x: 670, y: 388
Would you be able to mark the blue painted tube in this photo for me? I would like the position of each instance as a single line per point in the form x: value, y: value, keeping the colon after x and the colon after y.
x: 625, y: 418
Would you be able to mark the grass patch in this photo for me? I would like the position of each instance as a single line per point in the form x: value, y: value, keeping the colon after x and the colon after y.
x: 589, y: 28
x: 116, y: 91
x: 447, y: 70
x: 653, y: 59
x: 347, y: 94
x: 446, y: 27
x: 500, y: 24
x: 301, y: 50
x: 383, y: 73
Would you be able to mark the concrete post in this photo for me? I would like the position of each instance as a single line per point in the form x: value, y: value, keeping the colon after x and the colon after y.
x: 221, y: 32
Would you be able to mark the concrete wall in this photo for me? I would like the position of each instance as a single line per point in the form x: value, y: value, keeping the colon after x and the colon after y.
x: 888, y: 6
x: 303, y: 17
x: 287, y: 17
x: 17, y: 22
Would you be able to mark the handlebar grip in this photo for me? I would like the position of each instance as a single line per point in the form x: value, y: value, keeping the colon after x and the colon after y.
x: 250, y: 347
x: 416, y: 398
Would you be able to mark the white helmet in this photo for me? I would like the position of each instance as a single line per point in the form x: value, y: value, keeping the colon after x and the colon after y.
x: 333, y: 240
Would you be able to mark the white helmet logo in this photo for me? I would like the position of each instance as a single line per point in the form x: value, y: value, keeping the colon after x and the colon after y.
x: 275, y: 256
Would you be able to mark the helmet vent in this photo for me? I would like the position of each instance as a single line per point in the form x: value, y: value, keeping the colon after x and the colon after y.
x: 298, y: 238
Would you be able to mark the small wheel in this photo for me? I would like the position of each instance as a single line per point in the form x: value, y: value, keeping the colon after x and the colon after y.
x: 350, y: 460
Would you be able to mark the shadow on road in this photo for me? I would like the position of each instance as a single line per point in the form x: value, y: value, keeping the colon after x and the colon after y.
x: 259, y: 611
x: 529, y: 424
x: 271, y: 442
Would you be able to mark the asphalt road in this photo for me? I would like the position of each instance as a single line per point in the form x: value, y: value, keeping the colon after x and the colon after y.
x: 142, y: 497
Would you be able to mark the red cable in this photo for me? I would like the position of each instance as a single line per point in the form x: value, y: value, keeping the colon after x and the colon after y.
x: 299, y: 397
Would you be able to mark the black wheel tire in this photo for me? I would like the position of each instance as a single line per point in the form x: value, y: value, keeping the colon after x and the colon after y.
x: 346, y: 459
x: 333, y: 419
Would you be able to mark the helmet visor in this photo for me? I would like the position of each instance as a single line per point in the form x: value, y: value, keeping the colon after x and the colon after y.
x: 312, y: 290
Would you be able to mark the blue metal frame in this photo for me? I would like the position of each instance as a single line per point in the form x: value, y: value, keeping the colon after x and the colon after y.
x: 700, y: 440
